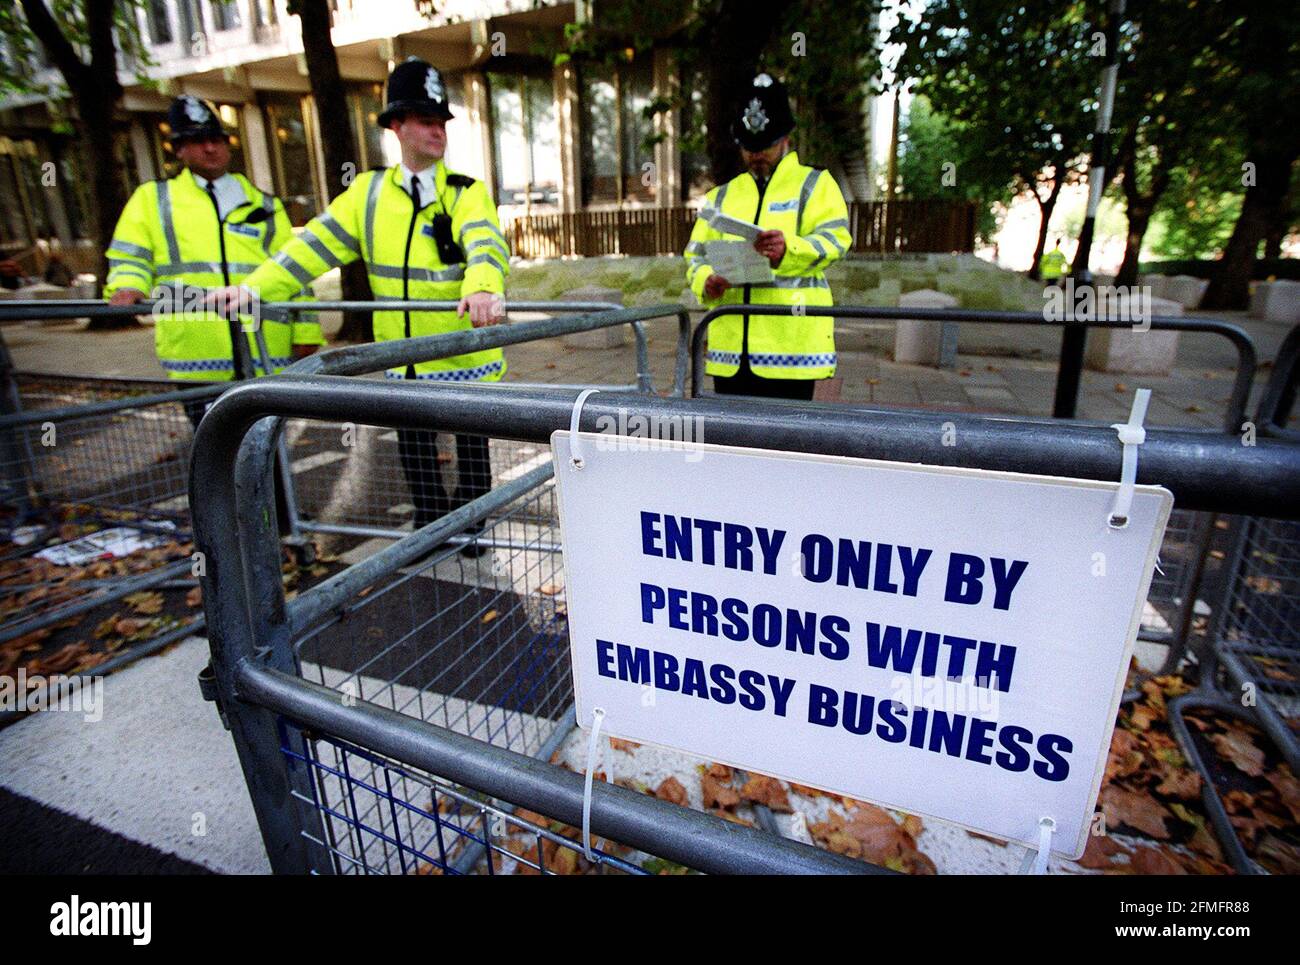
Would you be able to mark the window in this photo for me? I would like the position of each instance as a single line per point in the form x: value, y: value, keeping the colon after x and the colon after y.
x: 160, y: 27
x: 225, y: 14
x: 526, y: 138
x: 292, y: 154
x: 617, y: 141
x: 367, y: 103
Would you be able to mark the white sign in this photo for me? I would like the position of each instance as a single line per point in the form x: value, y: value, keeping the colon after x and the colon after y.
x: 948, y: 642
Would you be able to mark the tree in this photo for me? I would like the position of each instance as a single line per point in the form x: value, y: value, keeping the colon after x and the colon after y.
x: 80, y: 38
x: 938, y: 159
x: 337, y: 143
x: 1019, y: 80
x: 1266, y: 48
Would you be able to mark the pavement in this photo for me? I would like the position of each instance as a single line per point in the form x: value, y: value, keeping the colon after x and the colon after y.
x: 154, y: 785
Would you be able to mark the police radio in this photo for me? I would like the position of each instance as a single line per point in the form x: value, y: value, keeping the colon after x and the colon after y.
x: 449, y: 252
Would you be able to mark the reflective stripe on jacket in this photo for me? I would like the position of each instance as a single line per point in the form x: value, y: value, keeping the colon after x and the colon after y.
x: 806, y: 204
x: 374, y: 219
x: 169, y: 236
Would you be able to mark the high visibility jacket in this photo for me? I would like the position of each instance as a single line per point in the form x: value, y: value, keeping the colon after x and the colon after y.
x: 1052, y: 264
x: 169, y: 235
x: 375, y: 219
x: 806, y: 204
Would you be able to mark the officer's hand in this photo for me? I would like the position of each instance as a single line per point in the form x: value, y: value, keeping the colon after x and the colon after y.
x: 715, y: 285
x: 485, y: 308
x: 126, y: 296
x: 302, y: 351
x: 225, y: 299
x: 771, y: 245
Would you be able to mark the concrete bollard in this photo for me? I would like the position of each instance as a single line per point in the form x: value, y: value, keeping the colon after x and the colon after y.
x: 612, y: 337
x: 1186, y: 290
x: 1137, y: 353
x: 923, y: 342
x: 1276, y: 301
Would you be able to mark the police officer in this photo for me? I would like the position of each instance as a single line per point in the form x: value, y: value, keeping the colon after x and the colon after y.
x: 203, y: 229
x: 806, y: 228
x: 425, y: 233
x: 1053, y: 265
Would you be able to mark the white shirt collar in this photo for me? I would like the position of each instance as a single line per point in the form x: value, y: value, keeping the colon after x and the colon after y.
x: 428, y: 179
x: 230, y: 195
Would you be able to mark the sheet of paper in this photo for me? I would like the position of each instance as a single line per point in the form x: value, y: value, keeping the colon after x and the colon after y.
x: 106, y: 544
x: 737, y: 262
x: 731, y: 226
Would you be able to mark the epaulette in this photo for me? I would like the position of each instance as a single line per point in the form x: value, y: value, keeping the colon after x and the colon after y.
x: 459, y: 180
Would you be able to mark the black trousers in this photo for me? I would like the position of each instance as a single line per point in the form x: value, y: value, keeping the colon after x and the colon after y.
x: 745, y: 382
x: 419, y: 452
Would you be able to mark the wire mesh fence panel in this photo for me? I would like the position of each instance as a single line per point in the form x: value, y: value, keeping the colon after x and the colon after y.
x: 95, y: 512
x: 1260, y: 636
x: 473, y: 643
x: 363, y: 476
x: 1171, y: 585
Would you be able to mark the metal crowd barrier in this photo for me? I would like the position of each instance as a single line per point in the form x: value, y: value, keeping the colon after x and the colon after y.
x: 1249, y: 661
x: 70, y: 468
x: 400, y: 715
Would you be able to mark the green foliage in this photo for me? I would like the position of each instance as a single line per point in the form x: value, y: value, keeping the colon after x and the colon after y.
x: 22, y: 51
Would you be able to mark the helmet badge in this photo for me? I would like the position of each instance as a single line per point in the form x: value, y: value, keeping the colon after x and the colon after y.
x: 433, y: 86
x: 195, y: 110
x: 754, y: 118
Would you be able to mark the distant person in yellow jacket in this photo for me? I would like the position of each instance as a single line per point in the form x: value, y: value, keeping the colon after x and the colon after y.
x: 201, y: 230
x: 1052, y: 267
x: 805, y: 229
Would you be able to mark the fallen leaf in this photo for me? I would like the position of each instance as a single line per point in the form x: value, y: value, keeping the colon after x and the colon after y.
x: 671, y: 790
x: 194, y: 597
x: 1101, y: 849
x: 549, y: 589
x: 1236, y: 746
x: 768, y: 791
x: 722, y: 772
x: 489, y: 616
x: 717, y: 794
x: 1155, y: 861
x: 1135, y: 809
x: 621, y: 745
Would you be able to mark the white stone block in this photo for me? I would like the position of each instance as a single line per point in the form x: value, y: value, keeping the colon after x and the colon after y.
x: 613, y: 337
x: 1134, y: 352
x: 921, y: 341
x: 1276, y: 301
x: 1186, y: 290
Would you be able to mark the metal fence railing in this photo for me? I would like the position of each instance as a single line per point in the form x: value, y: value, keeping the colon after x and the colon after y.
x: 1250, y: 657
x: 94, y: 502
x: 399, y: 716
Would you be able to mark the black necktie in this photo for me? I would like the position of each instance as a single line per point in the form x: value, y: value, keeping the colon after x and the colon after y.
x: 415, y: 193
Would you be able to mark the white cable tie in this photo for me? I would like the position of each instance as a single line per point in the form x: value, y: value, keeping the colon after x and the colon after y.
x: 598, y: 716
x: 1035, y: 862
x: 1131, y: 435
x: 575, y: 446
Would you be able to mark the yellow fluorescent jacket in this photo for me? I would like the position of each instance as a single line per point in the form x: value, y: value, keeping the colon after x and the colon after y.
x: 169, y: 235
x: 372, y: 220
x: 806, y: 204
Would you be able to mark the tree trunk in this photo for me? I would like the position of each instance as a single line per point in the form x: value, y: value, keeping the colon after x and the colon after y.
x: 740, y: 32
x: 337, y: 144
x: 1230, y: 283
x: 1045, y: 209
x: 1139, y: 217
x: 95, y: 93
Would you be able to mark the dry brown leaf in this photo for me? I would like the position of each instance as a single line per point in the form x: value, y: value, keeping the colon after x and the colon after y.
x: 194, y: 597
x: 1235, y: 745
x: 1100, y: 852
x: 671, y: 790
x: 549, y: 589
x: 489, y: 616
x: 1135, y: 809
x: 721, y: 771
x: 717, y: 794
x: 621, y: 745
x: 1180, y: 782
x: 761, y: 789
x: 1287, y: 787
x: 1156, y: 861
